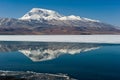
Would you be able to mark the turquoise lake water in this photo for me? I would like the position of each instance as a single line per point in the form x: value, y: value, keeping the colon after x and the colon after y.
x: 102, y: 63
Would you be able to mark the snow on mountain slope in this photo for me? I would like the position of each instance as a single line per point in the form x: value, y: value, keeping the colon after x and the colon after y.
x: 44, y: 14
x: 71, y: 17
x: 87, y: 19
x: 38, y: 14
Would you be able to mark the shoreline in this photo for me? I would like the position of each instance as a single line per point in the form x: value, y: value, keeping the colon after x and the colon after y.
x: 115, y: 39
x: 28, y: 75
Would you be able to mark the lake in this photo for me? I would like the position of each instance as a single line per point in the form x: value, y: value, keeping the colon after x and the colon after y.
x: 82, y: 61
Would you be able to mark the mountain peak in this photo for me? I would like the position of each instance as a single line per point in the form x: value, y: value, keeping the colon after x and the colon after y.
x: 45, y: 14
x: 40, y: 14
x: 41, y: 9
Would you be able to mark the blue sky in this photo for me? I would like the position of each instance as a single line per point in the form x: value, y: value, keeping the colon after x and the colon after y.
x: 104, y: 10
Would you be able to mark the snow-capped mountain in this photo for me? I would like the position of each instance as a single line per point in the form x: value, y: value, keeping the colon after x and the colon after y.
x: 40, y: 14
x: 44, y: 14
x: 43, y: 21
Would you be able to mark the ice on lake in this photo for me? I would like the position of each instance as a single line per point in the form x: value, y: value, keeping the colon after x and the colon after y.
x: 63, y: 38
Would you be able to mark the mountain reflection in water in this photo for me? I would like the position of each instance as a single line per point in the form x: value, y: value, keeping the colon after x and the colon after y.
x: 39, y: 51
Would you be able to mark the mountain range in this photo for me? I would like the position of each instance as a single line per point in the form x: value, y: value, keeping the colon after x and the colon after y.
x: 47, y: 22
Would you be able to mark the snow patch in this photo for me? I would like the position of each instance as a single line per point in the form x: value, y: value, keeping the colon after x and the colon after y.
x: 71, y: 17
x: 87, y: 19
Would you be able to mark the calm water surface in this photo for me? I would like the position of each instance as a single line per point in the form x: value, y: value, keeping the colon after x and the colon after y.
x: 96, y: 62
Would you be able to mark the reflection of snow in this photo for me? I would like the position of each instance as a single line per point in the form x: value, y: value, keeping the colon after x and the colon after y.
x: 48, y: 54
x: 89, y: 49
